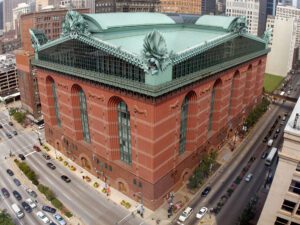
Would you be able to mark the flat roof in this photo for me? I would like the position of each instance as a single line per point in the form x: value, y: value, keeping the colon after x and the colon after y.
x: 293, y: 124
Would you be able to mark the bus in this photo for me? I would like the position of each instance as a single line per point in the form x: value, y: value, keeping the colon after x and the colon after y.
x: 271, y: 156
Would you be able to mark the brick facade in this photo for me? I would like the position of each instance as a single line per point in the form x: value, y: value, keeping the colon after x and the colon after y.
x: 157, y: 168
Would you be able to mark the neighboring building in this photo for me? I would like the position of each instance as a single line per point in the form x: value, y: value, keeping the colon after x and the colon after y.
x: 136, y: 98
x: 8, y: 76
x: 50, y: 22
x: 1, y: 16
x: 287, y: 12
x: 254, y: 10
x: 221, y: 6
x: 283, y: 202
x: 280, y: 59
x: 294, y: 3
x: 8, y: 6
x: 104, y: 6
x: 271, y: 7
x: 40, y: 4
x: 180, y: 6
x: 270, y: 26
x: 8, y: 45
x: 208, y: 7
x: 21, y: 9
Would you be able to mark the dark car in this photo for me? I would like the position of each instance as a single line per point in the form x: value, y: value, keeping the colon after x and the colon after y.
x: 17, y: 195
x: 26, y: 207
x: 8, y: 135
x: 15, y: 132
x: 52, y: 223
x: 17, y: 182
x: 48, y: 209
x: 275, y: 136
x: 36, y: 148
x: 51, y: 166
x: 46, y: 156
x: 1, y: 126
x: 10, y: 172
x: 206, y: 191
x: 10, y: 123
x: 5, y: 192
x: 31, y: 192
x: 65, y: 178
x: 264, y: 155
x: 265, y: 140
x: 278, y: 130
x: 21, y: 156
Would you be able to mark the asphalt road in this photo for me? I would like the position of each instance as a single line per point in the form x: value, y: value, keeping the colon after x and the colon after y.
x: 83, y: 201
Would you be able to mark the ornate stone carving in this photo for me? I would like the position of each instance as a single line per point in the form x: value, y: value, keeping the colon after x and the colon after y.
x: 95, y: 97
x: 64, y: 86
x: 239, y: 25
x: 175, y: 105
x: 267, y: 36
x: 155, y: 52
x: 136, y: 109
x: 74, y: 24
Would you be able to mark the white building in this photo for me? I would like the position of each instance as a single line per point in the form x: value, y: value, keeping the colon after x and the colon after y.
x: 270, y: 25
x: 283, y: 202
x: 21, y: 9
x: 280, y: 59
x: 287, y: 12
x: 254, y: 10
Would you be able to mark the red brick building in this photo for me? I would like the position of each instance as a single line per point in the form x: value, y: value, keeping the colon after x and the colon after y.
x: 137, y: 107
x: 50, y: 23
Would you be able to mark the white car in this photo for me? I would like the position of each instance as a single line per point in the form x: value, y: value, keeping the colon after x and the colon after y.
x: 30, y: 203
x: 43, y: 217
x: 201, y: 213
x: 185, y: 214
x: 248, y: 177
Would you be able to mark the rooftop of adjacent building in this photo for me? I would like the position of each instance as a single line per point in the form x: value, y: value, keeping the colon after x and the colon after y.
x: 7, y: 62
x: 293, y: 124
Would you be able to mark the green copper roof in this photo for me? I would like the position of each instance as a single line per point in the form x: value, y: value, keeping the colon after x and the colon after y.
x: 223, y: 22
x: 113, y: 20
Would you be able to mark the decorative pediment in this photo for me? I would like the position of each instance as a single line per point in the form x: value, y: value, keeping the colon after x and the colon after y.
x: 38, y: 38
x: 155, y: 53
x: 239, y: 25
x: 74, y: 24
x: 267, y: 36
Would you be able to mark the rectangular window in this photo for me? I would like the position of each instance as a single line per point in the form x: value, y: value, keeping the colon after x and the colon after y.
x: 280, y: 221
x: 298, y: 210
x: 58, y: 120
x: 295, y: 187
x: 298, y: 167
x: 288, y: 206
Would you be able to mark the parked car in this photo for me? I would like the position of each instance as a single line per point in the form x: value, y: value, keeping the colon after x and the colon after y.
x: 264, y: 155
x: 5, y: 192
x: 59, y: 219
x: 206, y: 191
x: 21, y: 156
x: 10, y: 123
x: 15, y: 132
x: 51, y: 166
x: 26, y: 207
x: 248, y: 177
x: 65, y: 178
x: 49, y: 209
x: 17, y: 195
x: 31, y: 192
x: 46, y: 156
x: 278, y: 131
x: 10, y: 172
x: 52, y: 223
x: 201, y: 213
x: 42, y: 217
x: 185, y: 214
x: 17, y: 182
x: 8, y: 135
x: 265, y: 139
x: 36, y: 148
x: 31, y: 203
x: 1, y: 126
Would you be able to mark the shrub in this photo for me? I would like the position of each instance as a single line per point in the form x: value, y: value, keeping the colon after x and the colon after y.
x: 56, y: 203
x: 96, y: 185
x: 68, y: 214
x: 19, y: 117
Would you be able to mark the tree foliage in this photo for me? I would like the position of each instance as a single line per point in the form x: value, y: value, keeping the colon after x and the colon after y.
x: 257, y: 112
x: 19, y: 116
x: 5, y: 219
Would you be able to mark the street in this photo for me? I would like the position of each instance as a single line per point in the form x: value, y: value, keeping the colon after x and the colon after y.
x: 78, y: 197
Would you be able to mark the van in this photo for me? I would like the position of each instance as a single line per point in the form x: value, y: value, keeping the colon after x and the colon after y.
x: 270, y: 142
x: 17, y: 211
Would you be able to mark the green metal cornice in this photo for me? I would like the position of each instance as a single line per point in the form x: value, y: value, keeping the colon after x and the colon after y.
x: 196, y: 50
x: 141, y: 88
x: 54, y: 42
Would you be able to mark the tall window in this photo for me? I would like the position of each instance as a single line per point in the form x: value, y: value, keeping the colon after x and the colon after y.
x: 84, y: 117
x: 183, y: 125
x: 56, y: 104
x: 230, y: 98
x: 212, y: 106
x: 124, y: 132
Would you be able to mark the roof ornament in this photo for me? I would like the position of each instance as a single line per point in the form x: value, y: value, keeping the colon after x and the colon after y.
x: 155, y: 53
x: 74, y: 24
x: 239, y: 25
x: 38, y: 38
x: 267, y: 36
x: 34, y: 41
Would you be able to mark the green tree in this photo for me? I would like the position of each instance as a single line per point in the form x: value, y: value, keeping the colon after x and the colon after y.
x: 19, y: 117
x: 5, y: 219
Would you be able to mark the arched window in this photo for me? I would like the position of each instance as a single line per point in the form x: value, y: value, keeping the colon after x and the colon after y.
x: 124, y: 132
x: 54, y: 93
x: 212, y: 106
x: 84, y: 117
x: 183, y: 124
